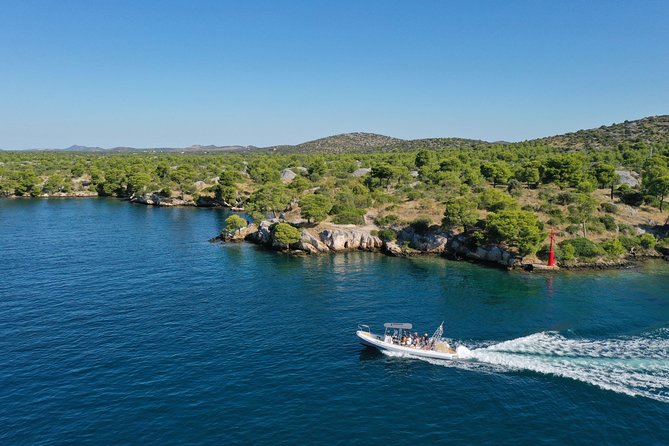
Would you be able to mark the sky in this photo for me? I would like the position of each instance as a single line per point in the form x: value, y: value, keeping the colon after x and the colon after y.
x: 175, y: 73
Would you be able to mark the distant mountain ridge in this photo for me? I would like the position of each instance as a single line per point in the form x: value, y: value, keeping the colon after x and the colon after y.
x: 649, y: 130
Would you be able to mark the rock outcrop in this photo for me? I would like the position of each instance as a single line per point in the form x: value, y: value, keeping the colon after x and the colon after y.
x: 350, y: 239
x: 336, y: 240
x: 159, y: 200
x: 433, y: 241
x: 311, y: 244
x: 462, y: 246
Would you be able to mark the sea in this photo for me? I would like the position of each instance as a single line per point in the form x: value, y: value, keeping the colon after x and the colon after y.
x: 122, y: 324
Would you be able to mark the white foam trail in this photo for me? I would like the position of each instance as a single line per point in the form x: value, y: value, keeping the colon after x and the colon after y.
x: 637, y: 366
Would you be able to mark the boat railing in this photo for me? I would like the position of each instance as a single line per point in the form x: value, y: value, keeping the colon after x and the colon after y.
x: 362, y: 327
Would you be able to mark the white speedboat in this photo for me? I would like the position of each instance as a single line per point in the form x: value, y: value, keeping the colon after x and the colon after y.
x: 398, y: 338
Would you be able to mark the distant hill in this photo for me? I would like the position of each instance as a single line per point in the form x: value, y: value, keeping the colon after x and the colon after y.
x: 653, y: 129
x: 77, y: 148
x: 369, y: 142
x: 193, y: 148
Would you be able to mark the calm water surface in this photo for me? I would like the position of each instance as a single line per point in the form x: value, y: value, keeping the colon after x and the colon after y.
x: 121, y: 324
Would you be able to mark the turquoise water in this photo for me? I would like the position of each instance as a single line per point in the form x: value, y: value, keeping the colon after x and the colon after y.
x: 121, y: 324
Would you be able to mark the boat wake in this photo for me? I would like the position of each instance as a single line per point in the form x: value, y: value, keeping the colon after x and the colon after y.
x: 637, y: 366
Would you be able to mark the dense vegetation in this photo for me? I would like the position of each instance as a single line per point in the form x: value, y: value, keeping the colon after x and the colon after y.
x: 498, y: 193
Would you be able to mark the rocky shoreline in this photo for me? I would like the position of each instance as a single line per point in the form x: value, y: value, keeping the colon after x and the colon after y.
x: 434, y: 241
x: 409, y: 243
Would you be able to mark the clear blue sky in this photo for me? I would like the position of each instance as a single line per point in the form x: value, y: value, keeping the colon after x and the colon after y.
x: 176, y: 73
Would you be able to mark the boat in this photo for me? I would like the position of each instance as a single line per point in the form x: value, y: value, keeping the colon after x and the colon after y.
x: 394, y: 335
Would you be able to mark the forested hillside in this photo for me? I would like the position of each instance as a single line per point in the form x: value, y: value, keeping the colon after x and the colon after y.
x: 604, y: 199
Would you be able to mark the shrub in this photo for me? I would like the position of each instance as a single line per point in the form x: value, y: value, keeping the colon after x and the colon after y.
x: 662, y: 243
x: 613, y: 247
x: 349, y: 216
x: 647, y: 241
x: 415, y: 195
x: 651, y: 200
x: 573, y: 229
x: 582, y: 247
x: 545, y: 249
x: 421, y: 225
x: 609, y: 208
x: 586, y: 186
x: 565, y: 198
x: 553, y: 211
x: 568, y: 252
x: 387, y: 235
x: 625, y: 229
x: 387, y: 220
x: 629, y: 242
x: 478, y: 238
x: 546, y: 195
x: 555, y: 221
x: 608, y: 222
x: 285, y: 234
x: 596, y: 227
x: 632, y: 198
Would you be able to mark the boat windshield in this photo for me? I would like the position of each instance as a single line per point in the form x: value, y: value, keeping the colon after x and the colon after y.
x: 401, y: 334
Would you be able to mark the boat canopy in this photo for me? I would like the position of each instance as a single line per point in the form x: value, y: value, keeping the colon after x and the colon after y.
x: 398, y: 325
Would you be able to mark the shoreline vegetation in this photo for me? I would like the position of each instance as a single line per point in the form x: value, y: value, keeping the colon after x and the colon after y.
x: 602, y: 191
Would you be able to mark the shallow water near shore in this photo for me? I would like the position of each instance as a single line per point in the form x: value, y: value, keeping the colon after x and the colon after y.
x: 120, y: 323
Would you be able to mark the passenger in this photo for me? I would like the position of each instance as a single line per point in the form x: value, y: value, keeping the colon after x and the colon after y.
x: 404, y: 340
x: 409, y: 341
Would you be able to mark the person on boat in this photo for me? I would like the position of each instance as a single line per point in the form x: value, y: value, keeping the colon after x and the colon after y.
x: 404, y: 340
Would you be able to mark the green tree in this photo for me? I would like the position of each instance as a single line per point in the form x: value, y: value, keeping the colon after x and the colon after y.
x: 659, y: 187
x: 581, y: 211
x: 495, y: 200
x: 227, y: 194
x: 516, y: 228
x: 285, y: 234
x: 460, y: 211
x: 233, y: 224
x: 564, y: 170
x: 273, y: 197
x: 529, y: 173
x: 606, y: 176
x: 316, y: 168
x: 383, y: 172
x: 496, y: 173
x: 424, y: 158
x: 56, y: 183
x: 315, y: 207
